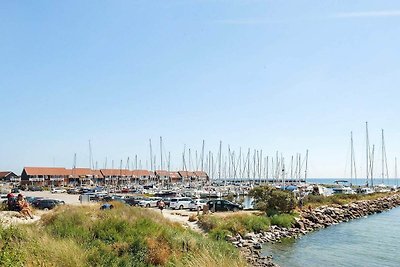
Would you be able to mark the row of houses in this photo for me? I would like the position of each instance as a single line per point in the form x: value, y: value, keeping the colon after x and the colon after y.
x: 9, y: 176
x: 46, y: 176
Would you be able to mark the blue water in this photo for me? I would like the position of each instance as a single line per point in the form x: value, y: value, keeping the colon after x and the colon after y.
x: 358, y: 181
x: 368, y: 242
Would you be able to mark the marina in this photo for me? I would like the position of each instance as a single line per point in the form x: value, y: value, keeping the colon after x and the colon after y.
x: 369, y: 242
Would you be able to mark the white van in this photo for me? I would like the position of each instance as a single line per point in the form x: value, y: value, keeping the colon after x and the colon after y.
x: 180, y: 203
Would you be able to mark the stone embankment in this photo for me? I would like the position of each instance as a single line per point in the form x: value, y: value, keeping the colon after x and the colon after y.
x: 308, y: 221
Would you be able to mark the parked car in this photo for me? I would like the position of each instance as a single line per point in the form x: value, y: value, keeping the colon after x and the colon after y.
x: 15, y: 190
x: 48, y: 204
x: 73, y: 191
x: 149, y: 202
x: 58, y: 190
x: 180, y: 203
x: 36, y: 200
x: 35, y: 188
x: 133, y: 201
x: 31, y: 199
x: 92, y: 197
x: 223, y: 205
x: 197, y: 204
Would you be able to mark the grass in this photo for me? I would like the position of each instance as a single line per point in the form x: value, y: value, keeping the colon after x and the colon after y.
x: 283, y: 220
x: 219, y: 228
x: 312, y: 201
x: 125, y: 236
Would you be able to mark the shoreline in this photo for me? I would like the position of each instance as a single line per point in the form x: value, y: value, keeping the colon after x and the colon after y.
x: 250, y: 245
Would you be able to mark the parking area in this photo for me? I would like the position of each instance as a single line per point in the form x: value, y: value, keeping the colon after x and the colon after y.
x: 67, y: 198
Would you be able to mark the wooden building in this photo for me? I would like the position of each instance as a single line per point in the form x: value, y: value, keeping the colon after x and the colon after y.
x: 44, y: 176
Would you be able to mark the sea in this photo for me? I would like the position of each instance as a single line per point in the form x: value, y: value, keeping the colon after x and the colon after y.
x: 356, y: 181
x: 372, y: 241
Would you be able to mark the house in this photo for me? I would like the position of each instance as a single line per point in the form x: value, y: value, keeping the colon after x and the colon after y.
x: 187, y: 175
x: 117, y: 176
x: 85, y: 176
x: 144, y: 176
x: 44, y: 176
x: 162, y: 175
x: 201, y: 176
x: 9, y: 176
x: 175, y: 177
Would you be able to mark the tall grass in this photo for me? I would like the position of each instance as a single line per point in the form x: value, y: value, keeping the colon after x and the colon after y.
x: 219, y: 227
x: 283, y: 220
x: 124, y: 236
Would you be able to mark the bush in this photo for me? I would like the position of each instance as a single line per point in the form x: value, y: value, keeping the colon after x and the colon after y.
x: 270, y: 199
x: 283, y: 220
x: 219, y: 227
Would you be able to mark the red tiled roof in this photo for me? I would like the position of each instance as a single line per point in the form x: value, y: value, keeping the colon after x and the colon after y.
x: 46, y: 171
x: 174, y: 175
x: 162, y: 173
x: 186, y: 174
x: 138, y: 173
x: 200, y: 174
x: 79, y: 172
x: 116, y: 172
x: 4, y: 174
x: 98, y: 174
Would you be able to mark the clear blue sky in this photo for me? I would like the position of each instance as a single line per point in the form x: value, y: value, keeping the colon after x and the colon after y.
x: 271, y: 75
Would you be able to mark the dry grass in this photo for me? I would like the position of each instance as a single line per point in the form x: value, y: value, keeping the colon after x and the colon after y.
x: 125, y: 236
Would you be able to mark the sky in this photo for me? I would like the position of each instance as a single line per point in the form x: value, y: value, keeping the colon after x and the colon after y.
x: 281, y: 76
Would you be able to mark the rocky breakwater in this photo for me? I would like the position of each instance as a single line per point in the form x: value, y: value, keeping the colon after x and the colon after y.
x: 308, y: 221
x: 325, y: 216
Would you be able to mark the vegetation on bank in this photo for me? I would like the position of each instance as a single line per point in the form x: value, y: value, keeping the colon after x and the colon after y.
x: 313, y: 201
x: 123, y: 236
x: 221, y: 227
x: 273, y: 201
x: 277, y: 209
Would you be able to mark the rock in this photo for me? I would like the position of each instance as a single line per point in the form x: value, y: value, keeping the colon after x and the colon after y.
x: 257, y: 246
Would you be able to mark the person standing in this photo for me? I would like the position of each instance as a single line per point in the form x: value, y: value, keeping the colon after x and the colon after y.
x: 161, y: 205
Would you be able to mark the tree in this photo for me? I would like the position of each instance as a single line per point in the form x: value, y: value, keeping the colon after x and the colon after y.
x: 272, y: 200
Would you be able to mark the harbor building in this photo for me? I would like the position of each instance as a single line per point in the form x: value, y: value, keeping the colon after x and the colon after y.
x: 9, y: 177
x: 45, y: 176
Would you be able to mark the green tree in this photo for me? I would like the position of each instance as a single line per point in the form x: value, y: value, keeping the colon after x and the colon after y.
x: 272, y: 200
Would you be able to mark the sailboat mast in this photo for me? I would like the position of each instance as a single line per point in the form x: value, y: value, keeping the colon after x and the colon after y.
x: 351, y: 157
x: 383, y: 158
x: 395, y: 172
x: 151, y: 156
x: 306, y: 170
x: 220, y: 160
x: 202, y: 157
x: 367, y: 151
x: 161, y: 154
x: 372, y: 165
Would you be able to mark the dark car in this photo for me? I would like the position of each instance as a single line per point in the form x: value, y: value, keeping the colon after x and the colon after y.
x: 35, y: 200
x: 223, y: 205
x: 133, y: 201
x: 73, y: 191
x: 47, y: 204
x: 15, y: 190
x: 35, y: 188
x: 31, y: 199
